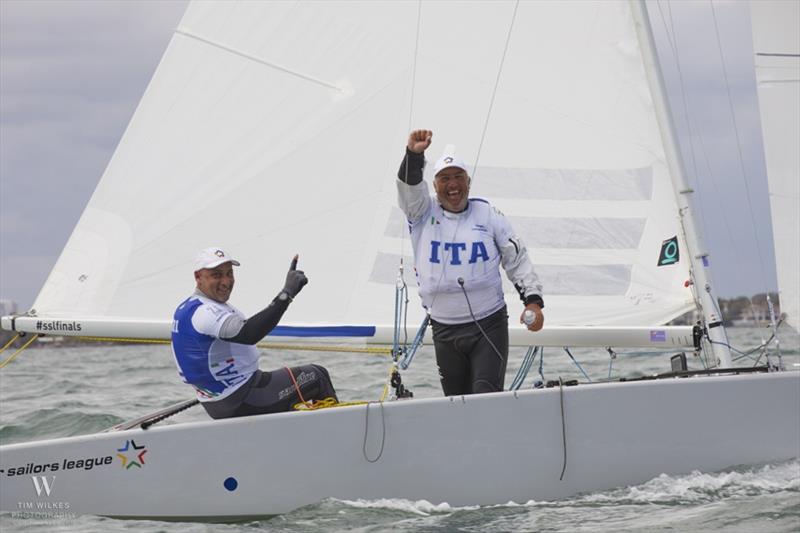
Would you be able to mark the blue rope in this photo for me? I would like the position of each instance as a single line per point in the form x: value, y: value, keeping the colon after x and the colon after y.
x: 525, y: 366
x: 400, y: 303
x: 612, y: 356
x: 416, y: 343
x: 566, y: 349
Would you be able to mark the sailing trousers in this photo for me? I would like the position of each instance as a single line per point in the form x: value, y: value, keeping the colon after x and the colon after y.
x: 472, y: 361
x: 274, y: 392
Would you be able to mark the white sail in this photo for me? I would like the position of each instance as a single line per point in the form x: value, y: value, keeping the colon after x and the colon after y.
x: 776, y: 43
x: 274, y: 128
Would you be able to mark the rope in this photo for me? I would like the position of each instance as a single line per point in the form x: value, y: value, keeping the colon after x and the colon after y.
x: 296, y: 386
x: 414, y: 69
x: 388, y: 381
x: 410, y: 118
x: 19, y: 351
x: 684, y: 100
x: 9, y: 343
x: 566, y: 349
x: 527, y: 362
x: 739, y: 151
x: 541, y: 370
x: 494, y: 91
x: 563, y: 426
x: 275, y: 346
x: 325, y: 403
x: 366, y: 432
x: 400, y: 309
x: 125, y: 339
x: 416, y: 343
x: 324, y: 348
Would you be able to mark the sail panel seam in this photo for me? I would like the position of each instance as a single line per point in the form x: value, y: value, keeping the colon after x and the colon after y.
x: 259, y: 60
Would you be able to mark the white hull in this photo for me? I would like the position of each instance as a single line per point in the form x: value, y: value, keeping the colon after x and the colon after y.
x: 483, y: 449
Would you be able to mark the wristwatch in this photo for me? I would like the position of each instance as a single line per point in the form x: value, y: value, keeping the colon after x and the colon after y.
x: 284, y: 297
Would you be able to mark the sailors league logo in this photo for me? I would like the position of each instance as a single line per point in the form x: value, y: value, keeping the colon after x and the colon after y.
x: 131, y: 454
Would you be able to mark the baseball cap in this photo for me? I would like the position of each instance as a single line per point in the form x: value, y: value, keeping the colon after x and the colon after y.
x: 449, y: 159
x: 212, y: 257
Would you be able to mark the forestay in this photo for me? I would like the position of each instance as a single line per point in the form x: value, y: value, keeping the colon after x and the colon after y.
x: 776, y: 42
x: 275, y: 128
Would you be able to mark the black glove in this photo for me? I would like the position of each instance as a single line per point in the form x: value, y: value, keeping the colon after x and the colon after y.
x: 295, y: 280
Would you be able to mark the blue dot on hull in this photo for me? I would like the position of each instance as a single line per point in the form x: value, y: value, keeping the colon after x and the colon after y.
x: 231, y: 484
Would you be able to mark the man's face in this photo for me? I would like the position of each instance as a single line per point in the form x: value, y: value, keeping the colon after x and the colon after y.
x: 217, y: 282
x: 452, y: 188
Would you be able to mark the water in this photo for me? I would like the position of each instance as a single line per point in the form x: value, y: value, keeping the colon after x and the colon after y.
x: 62, y: 391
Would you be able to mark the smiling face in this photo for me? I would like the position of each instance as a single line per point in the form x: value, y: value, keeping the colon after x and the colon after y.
x: 452, y: 188
x: 217, y: 282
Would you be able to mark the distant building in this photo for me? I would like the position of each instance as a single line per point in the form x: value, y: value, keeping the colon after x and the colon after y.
x: 8, y: 307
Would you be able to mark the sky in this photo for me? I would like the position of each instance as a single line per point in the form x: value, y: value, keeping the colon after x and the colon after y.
x: 72, y: 73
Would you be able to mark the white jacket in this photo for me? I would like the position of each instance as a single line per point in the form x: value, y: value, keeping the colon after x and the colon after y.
x: 470, y: 245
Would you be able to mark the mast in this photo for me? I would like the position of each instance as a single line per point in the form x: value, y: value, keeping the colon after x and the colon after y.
x: 698, y: 256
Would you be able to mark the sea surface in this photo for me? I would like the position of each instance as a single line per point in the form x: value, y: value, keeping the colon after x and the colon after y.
x: 56, y: 391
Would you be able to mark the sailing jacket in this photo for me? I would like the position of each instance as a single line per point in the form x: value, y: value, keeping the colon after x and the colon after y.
x: 213, y: 366
x: 470, y: 246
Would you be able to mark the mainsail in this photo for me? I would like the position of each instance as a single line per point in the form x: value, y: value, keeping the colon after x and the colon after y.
x: 776, y: 43
x: 275, y: 128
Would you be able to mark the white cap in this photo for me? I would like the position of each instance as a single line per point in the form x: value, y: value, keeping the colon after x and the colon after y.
x: 449, y: 159
x: 212, y: 257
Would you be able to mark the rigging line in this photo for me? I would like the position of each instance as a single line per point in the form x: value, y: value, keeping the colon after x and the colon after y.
x: 480, y: 146
x: 275, y: 346
x: 541, y: 369
x: 611, y: 356
x: 416, y: 343
x: 494, y: 91
x: 385, y: 393
x: 405, y: 315
x: 524, y: 367
x: 739, y: 148
x: 9, y: 343
x: 326, y: 348
x: 414, y: 67
x: 410, y: 118
x: 685, y: 105
x: 566, y: 349
x: 563, y: 426
x: 667, y: 30
x: 714, y: 183
x: 19, y: 351
x: 259, y: 60
x: 125, y: 340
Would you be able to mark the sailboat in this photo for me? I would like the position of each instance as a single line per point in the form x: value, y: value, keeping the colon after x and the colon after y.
x: 273, y: 126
